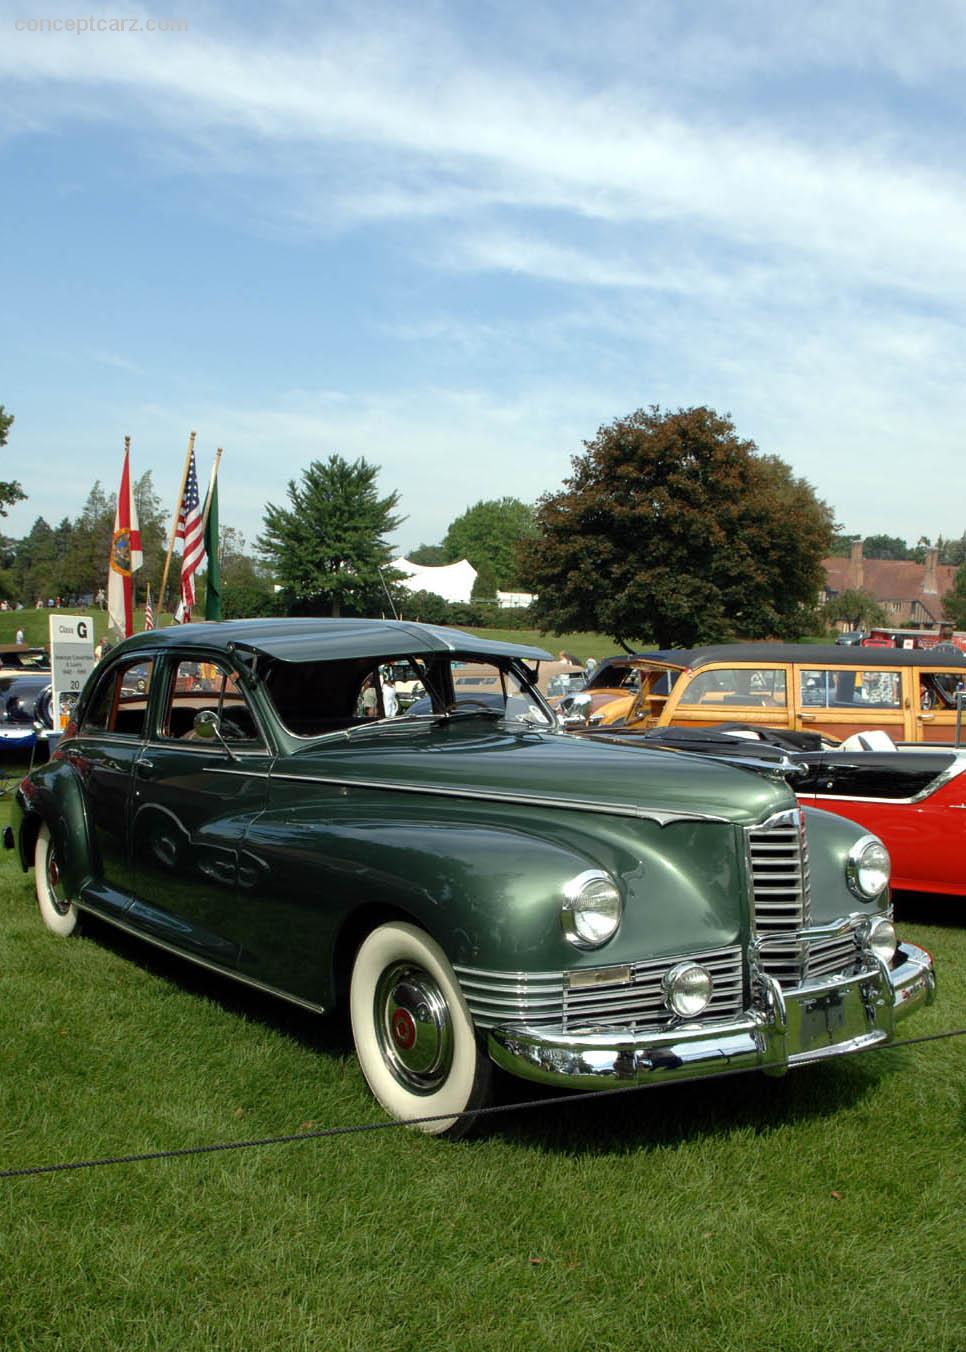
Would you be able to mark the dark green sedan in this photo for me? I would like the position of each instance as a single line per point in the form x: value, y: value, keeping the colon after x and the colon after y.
x: 479, y: 886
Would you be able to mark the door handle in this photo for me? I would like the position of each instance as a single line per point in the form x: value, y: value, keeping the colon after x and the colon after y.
x: 145, y: 768
x: 807, y: 718
x: 926, y: 718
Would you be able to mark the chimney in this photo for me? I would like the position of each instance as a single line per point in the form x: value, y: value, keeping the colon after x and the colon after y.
x: 856, y: 567
x: 929, y: 583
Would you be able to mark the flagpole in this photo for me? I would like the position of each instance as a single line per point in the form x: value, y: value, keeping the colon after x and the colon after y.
x: 211, y: 484
x: 174, y: 524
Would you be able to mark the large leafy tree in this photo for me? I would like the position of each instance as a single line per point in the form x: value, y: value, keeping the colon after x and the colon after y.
x: 328, y: 548
x: 672, y: 529
x: 490, y: 534
x: 10, y: 492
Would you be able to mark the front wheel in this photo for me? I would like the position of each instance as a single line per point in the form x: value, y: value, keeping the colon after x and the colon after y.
x: 57, y: 911
x: 413, y: 1033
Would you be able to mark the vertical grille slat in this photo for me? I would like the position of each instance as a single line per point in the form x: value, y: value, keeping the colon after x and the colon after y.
x: 780, y: 893
x: 781, y: 902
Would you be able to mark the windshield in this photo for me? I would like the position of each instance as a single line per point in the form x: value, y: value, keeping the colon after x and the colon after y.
x: 312, y: 699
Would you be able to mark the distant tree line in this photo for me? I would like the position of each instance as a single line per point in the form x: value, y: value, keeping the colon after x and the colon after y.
x: 671, y: 529
x: 892, y: 547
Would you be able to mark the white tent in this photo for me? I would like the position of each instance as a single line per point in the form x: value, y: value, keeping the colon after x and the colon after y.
x: 452, y: 581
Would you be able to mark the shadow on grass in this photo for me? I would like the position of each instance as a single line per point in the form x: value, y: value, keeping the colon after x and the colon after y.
x: 328, y: 1034
x: 652, y: 1118
x: 672, y: 1114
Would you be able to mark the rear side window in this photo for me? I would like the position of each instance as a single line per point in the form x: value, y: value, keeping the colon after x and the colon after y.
x: 120, y: 702
x: 825, y: 688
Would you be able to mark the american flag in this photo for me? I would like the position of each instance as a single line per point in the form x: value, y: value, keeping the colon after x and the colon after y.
x: 148, y: 611
x: 190, y: 530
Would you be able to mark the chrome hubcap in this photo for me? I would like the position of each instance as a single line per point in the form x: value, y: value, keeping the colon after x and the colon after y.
x: 54, y: 890
x: 414, y: 1028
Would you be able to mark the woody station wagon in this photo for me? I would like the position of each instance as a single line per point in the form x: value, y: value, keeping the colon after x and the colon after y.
x: 476, y: 885
x: 837, y: 690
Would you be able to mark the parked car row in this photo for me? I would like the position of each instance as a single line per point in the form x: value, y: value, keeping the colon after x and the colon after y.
x: 476, y: 886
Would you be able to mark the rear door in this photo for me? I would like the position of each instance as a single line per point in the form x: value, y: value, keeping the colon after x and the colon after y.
x: 841, y: 700
x: 193, y: 801
x: 934, y: 695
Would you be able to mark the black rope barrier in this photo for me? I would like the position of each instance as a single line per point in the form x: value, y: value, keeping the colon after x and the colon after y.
x: 358, y: 1129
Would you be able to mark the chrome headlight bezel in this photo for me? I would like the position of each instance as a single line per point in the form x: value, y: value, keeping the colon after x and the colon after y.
x: 578, y: 906
x: 688, y: 1003
x: 857, y: 862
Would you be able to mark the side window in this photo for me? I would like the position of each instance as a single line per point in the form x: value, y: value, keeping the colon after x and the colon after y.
x: 197, y: 686
x: 762, y: 687
x: 831, y: 689
x: 120, y: 702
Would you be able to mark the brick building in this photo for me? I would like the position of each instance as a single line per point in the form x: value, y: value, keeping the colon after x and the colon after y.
x: 910, y: 593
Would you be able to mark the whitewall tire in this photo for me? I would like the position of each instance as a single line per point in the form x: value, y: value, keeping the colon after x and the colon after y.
x: 414, y: 1035
x: 57, y: 911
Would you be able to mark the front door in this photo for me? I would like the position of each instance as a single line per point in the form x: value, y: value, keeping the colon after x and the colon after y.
x: 935, y: 699
x: 192, y: 802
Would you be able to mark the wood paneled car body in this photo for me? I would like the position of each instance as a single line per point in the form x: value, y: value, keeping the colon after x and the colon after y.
x: 911, y: 694
x: 475, y: 884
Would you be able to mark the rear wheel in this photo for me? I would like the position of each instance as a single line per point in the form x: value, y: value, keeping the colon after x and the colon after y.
x: 414, y: 1035
x: 57, y: 911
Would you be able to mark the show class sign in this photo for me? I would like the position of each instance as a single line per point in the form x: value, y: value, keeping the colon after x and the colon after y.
x: 71, y: 662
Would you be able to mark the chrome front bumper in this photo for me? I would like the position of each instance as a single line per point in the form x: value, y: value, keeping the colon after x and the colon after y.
x: 786, y: 1028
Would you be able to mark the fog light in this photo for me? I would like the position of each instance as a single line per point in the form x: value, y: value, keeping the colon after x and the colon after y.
x: 687, y: 989
x: 882, y: 939
x: 868, y: 868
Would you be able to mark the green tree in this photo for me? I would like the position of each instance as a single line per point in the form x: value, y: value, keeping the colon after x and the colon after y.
x: 10, y: 492
x: 485, y: 588
x: 429, y: 556
x: 885, y: 547
x: 856, y: 608
x: 491, y: 533
x: 329, y: 548
x: 955, y: 600
x: 673, y: 529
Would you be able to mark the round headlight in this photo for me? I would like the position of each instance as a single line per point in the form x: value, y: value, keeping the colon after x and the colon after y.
x: 592, y: 909
x: 868, y: 867
x: 687, y: 989
x: 882, y: 939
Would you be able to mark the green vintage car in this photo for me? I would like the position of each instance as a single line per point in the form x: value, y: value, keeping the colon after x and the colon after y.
x: 476, y: 884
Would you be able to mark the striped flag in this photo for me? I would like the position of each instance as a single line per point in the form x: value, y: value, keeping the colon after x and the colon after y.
x: 189, y: 529
x: 148, y: 611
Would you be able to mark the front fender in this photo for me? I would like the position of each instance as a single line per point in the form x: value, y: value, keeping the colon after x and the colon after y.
x: 830, y: 837
x: 53, y: 795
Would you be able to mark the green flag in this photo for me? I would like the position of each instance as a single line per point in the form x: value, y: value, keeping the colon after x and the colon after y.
x: 213, y: 592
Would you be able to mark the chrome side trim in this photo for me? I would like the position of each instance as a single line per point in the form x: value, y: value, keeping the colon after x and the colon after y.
x: 659, y: 815
x: 201, y: 962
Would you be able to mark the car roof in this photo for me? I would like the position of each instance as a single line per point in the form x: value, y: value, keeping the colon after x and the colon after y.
x: 813, y: 654
x: 319, y: 640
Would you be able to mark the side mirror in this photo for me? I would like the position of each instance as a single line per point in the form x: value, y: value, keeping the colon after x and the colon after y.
x: 576, y: 708
x: 207, y: 725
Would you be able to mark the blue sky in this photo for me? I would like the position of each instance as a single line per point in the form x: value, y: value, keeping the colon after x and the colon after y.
x: 457, y: 238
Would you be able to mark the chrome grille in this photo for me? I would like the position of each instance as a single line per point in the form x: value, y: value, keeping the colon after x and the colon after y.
x: 834, y: 957
x: 543, y: 999
x: 781, y: 898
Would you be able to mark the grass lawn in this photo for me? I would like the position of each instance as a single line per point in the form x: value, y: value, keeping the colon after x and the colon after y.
x: 820, y: 1211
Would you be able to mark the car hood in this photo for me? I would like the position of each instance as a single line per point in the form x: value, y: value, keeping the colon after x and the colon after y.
x: 472, y: 758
